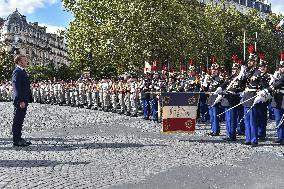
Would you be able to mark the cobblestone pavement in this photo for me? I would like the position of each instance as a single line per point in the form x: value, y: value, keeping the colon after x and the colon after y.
x: 80, y: 148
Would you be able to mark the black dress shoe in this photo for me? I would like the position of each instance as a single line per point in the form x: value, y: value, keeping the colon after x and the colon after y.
x: 22, y: 143
x: 261, y: 139
x: 213, y: 134
x: 279, y: 141
x: 240, y: 134
x: 247, y: 143
x: 254, y: 145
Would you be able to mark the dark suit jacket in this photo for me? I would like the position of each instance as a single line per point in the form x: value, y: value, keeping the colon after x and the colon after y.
x: 21, y: 86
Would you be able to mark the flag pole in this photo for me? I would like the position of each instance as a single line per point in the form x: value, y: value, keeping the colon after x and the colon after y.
x: 255, y: 41
x: 244, y: 46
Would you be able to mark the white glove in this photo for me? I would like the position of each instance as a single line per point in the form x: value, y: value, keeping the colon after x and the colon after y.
x: 242, y: 72
x: 218, y: 99
x: 205, y: 81
x: 218, y: 91
x: 265, y: 94
x: 242, y: 94
x: 273, y: 77
x: 258, y: 99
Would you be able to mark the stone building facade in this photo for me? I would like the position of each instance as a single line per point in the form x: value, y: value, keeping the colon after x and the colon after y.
x: 32, y: 40
x: 262, y: 6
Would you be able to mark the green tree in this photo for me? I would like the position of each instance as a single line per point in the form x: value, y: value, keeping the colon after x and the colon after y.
x: 6, y: 65
x: 122, y: 34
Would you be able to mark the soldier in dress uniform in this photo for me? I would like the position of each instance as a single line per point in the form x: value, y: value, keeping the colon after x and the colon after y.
x: 95, y: 94
x: 88, y: 89
x: 113, y: 91
x: 42, y: 92
x: 264, y: 79
x: 127, y: 96
x: 67, y: 95
x: 34, y: 91
x: 250, y: 75
x: 106, y: 95
x: 145, y: 95
x: 134, y: 96
x: 154, y: 89
x: 73, y: 93
x: 276, y: 87
x: 212, y: 82
x: 121, y: 93
x: 191, y: 82
x: 231, y: 89
x: 203, y: 97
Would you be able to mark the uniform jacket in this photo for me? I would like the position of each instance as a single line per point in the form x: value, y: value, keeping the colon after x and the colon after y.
x: 278, y: 97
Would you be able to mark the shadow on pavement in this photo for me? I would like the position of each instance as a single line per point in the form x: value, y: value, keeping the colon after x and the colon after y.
x: 239, y: 141
x: 68, y: 145
x: 36, y: 163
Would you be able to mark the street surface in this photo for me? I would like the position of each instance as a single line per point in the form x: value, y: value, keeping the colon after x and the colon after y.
x: 80, y: 148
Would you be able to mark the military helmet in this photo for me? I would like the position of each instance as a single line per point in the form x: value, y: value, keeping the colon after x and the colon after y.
x: 215, y: 66
x: 262, y: 62
x: 252, y: 55
x: 236, y: 62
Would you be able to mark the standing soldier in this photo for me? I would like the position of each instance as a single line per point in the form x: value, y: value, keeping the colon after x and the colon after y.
x: 67, y: 93
x: 61, y: 93
x: 276, y: 86
x: 250, y: 75
x: 121, y: 94
x: 88, y: 90
x: 134, y: 96
x: 95, y: 94
x: 264, y: 79
x: 203, y: 97
x: 56, y: 92
x: 113, y: 91
x: 46, y: 92
x: 145, y: 95
x: 82, y: 92
x: 154, y: 89
x: 127, y: 96
x: 212, y: 83
x: 34, y: 91
x: 231, y: 89
x: 42, y: 92
x: 100, y: 88
x: 105, y: 91
x: 73, y: 94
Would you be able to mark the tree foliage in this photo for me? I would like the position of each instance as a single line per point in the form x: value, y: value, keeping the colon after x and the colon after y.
x: 6, y: 65
x: 121, y: 34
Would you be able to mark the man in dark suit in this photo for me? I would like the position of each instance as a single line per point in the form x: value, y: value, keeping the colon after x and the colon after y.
x: 21, y: 98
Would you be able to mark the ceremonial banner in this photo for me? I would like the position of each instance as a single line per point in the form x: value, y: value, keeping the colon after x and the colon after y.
x: 179, y: 111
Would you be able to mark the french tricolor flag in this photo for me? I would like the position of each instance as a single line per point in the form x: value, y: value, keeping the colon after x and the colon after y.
x: 281, y: 23
x: 179, y: 111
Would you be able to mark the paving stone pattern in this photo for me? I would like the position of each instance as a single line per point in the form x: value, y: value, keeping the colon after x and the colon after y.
x: 81, y: 148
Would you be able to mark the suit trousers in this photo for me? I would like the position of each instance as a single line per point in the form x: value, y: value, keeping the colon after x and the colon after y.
x: 19, y: 116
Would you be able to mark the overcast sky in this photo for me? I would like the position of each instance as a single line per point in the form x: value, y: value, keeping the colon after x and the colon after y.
x: 277, y: 6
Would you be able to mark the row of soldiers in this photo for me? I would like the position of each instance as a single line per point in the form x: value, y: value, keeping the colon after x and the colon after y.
x: 240, y: 98
x: 245, y: 95
x: 6, y: 91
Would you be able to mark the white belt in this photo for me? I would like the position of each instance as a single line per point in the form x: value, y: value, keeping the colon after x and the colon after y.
x: 250, y: 90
